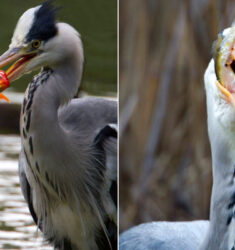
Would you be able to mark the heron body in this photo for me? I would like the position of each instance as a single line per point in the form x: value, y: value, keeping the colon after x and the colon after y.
x: 219, y: 232
x: 67, y: 164
x: 153, y: 236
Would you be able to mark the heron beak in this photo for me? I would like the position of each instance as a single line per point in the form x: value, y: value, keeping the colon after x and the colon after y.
x: 226, y: 94
x: 20, y: 58
x: 227, y: 90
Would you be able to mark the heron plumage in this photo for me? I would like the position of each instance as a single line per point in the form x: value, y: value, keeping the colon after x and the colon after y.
x: 68, y: 162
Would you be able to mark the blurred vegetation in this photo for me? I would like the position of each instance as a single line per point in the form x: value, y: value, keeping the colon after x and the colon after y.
x: 95, y: 20
x: 165, y: 162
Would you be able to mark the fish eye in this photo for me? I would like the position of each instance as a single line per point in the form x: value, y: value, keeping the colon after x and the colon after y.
x: 36, y: 44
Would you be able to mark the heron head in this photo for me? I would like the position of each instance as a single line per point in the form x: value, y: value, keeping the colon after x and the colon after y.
x: 224, y: 64
x: 39, y: 41
x: 220, y: 85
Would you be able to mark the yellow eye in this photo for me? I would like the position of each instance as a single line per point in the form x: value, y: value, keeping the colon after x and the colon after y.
x: 36, y: 44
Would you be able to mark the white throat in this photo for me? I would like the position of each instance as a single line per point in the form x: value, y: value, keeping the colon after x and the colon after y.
x: 221, y: 129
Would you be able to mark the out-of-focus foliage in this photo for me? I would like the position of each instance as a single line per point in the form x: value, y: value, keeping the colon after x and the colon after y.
x: 165, y: 162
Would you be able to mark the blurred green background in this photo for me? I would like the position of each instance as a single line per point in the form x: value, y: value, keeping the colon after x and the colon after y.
x: 97, y: 23
x: 165, y: 161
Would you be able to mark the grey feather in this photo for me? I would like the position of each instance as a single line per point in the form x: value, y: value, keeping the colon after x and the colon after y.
x: 164, y: 236
x: 89, y: 114
x: 25, y: 187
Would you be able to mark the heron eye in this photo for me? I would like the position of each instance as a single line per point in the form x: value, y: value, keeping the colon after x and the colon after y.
x: 36, y: 44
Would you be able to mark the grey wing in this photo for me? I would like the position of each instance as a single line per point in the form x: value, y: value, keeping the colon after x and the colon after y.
x: 88, y: 115
x: 106, y: 141
x: 25, y: 187
x: 96, y: 118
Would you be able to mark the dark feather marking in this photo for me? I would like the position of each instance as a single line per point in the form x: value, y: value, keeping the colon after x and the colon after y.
x: 232, y: 202
x: 29, y: 103
x: 33, y: 85
x: 229, y: 219
x: 51, y: 183
x: 101, y: 239
x: 229, y: 207
x: 30, y: 204
x: 27, y: 159
x: 64, y: 244
x: 31, y: 145
x: 44, y: 24
x: 24, y: 134
x: 104, y: 133
x: 113, y: 192
x: 32, y: 88
x: 28, y: 121
x: 47, y: 178
x: 37, y: 167
x: 24, y: 102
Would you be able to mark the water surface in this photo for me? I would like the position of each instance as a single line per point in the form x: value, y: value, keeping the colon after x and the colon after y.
x: 17, y: 229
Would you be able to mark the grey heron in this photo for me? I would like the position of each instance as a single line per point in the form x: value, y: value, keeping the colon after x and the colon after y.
x: 219, y: 232
x: 67, y: 164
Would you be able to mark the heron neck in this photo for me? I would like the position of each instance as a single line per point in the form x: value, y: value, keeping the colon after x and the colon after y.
x: 57, y: 90
x: 221, y: 233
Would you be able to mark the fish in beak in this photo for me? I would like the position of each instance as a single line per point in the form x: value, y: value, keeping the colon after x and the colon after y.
x: 224, y: 57
x: 4, y: 84
x: 20, y: 58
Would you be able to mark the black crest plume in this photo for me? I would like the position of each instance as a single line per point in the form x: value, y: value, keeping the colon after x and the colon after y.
x: 44, y: 24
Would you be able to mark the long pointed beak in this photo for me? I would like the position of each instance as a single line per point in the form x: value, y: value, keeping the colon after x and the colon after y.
x: 10, y: 56
x: 20, y: 58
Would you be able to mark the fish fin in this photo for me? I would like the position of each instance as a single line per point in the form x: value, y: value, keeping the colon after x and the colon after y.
x: 4, y: 97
